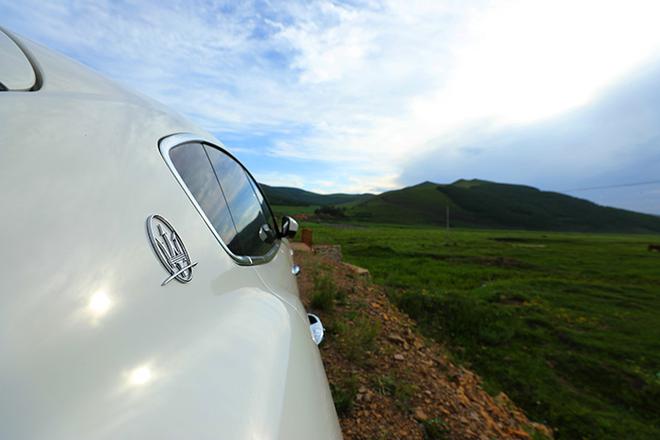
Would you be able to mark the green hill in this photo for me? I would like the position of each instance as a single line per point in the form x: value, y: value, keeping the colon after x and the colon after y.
x: 483, y: 204
x: 282, y: 195
x: 473, y: 203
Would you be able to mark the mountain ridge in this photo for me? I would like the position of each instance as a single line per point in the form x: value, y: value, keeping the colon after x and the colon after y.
x: 291, y: 196
x: 475, y: 203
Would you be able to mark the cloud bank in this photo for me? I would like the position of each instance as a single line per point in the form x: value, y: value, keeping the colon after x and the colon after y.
x: 367, y: 96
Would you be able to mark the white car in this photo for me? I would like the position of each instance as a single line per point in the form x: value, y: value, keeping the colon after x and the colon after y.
x: 146, y: 290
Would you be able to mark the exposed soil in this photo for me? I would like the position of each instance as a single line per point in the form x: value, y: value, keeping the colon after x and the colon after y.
x: 398, y: 385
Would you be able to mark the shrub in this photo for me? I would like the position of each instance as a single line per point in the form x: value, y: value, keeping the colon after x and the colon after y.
x: 357, y: 337
x: 324, y: 294
x: 401, y: 391
x: 435, y: 429
x: 343, y: 395
x: 330, y: 211
x: 340, y: 296
x: 323, y: 301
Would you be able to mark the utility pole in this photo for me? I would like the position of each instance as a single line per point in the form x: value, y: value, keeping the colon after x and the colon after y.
x: 447, y: 224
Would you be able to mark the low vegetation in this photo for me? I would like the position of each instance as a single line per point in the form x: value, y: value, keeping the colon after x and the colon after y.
x: 281, y: 195
x: 343, y: 394
x: 398, y: 388
x: 388, y: 381
x: 467, y: 203
x: 357, y: 337
x: 566, y: 324
x: 325, y: 293
x: 330, y: 212
x: 435, y: 429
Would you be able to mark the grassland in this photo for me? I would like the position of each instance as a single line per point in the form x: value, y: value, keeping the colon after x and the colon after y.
x: 567, y: 324
x: 281, y: 210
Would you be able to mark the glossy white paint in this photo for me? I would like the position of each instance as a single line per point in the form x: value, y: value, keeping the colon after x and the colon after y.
x: 91, y: 345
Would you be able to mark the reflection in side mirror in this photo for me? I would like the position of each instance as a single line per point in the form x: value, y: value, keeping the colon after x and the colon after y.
x: 289, y: 227
x: 266, y: 234
x: 316, y: 328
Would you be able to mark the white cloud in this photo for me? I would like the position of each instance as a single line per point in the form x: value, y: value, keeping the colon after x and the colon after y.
x: 420, y: 80
x: 360, y: 87
x: 280, y: 179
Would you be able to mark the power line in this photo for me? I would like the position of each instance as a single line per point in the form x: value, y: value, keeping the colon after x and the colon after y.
x: 620, y: 185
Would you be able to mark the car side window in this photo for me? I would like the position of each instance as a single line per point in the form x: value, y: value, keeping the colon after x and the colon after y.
x: 265, y: 208
x: 228, y: 197
x: 192, y: 164
x: 254, y: 225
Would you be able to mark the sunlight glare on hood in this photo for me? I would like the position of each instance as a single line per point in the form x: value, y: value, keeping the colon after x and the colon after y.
x: 99, y: 304
x: 140, y: 376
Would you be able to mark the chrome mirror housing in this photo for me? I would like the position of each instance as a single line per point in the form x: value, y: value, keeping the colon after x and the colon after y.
x: 289, y: 227
x: 316, y: 328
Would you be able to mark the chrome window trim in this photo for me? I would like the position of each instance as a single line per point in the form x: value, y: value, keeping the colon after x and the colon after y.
x: 174, y: 140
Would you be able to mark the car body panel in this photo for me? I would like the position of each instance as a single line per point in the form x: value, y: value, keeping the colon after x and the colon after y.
x: 92, y: 345
x: 285, y: 287
x: 17, y: 72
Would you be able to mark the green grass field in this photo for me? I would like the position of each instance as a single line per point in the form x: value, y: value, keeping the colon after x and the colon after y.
x: 567, y: 324
x: 281, y: 210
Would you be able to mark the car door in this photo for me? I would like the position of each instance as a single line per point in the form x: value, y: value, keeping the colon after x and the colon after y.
x: 243, y: 224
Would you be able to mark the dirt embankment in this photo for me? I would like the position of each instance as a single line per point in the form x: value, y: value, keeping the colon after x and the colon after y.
x: 388, y: 381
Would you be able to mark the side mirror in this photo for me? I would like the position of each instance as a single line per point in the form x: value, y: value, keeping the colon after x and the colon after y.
x: 316, y: 328
x: 289, y: 227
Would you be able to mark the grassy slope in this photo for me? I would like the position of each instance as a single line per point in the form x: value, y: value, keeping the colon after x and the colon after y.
x: 483, y: 204
x: 364, y: 331
x: 517, y: 206
x: 285, y: 196
x: 419, y: 204
x: 282, y: 210
x: 567, y: 324
x: 471, y: 203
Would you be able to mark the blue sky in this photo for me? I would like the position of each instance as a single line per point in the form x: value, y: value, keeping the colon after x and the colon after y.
x: 367, y: 96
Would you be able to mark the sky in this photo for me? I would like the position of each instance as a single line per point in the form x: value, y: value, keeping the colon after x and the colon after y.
x: 367, y: 96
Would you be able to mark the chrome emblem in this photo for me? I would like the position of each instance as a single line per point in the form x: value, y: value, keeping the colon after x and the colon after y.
x: 170, y: 249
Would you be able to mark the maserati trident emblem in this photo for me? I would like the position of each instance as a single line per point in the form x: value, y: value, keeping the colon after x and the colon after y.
x: 170, y: 249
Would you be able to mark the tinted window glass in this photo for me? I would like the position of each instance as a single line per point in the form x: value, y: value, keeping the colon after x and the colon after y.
x: 264, y: 205
x: 244, y: 203
x: 193, y: 166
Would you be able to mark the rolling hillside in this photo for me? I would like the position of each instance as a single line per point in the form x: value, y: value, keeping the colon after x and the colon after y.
x: 282, y: 195
x: 476, y: 203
